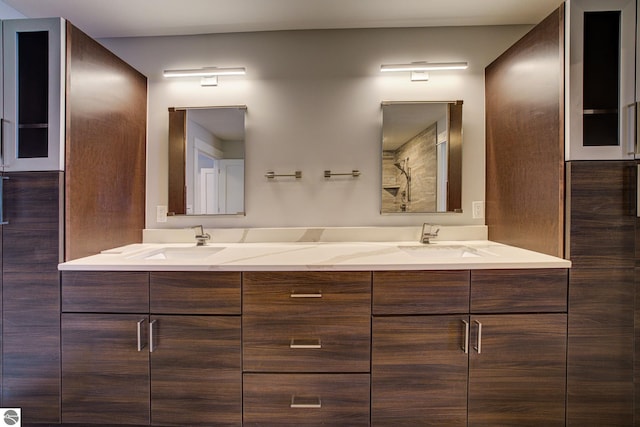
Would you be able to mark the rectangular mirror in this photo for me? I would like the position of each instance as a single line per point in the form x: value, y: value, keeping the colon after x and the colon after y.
x: 206, y: 160
x: 421, y: 157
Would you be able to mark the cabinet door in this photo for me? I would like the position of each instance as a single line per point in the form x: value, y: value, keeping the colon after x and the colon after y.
x: 601, y: 347
x: 601, y: 79
x: 105, y: 370
x: 31, y: 294
x: 419, y: 371
x: 33, y: 94
x: 517, y: 370
x: 196, y: 370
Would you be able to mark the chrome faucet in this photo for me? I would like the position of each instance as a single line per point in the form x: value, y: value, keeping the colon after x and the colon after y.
x: 428, y: 231
x: 201, y: 236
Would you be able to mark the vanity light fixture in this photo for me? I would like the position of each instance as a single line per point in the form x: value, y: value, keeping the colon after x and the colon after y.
x: 419, y: 70
x: 209, y: 74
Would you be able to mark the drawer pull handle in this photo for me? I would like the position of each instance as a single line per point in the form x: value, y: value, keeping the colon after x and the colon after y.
x: 478, y: 347
x: 465, y: 343
x: 305, y: 343
x: 306, y: 402
x: 307, y: 295
x: 141, y: 344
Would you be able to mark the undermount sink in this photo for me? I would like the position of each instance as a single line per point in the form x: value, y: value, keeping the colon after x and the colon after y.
x: 186, y: 253
x: 441, y: 251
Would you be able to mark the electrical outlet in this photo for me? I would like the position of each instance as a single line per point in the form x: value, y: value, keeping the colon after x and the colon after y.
x: 477, y: 209
x: 161, y: 213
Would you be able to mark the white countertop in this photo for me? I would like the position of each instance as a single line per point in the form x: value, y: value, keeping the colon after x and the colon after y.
x: 316, y: 256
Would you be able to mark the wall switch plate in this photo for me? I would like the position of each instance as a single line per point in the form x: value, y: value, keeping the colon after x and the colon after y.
x: 161, y: 213
x: 477, y: 209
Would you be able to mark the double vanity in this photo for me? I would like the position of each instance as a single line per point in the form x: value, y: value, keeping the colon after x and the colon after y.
x: 308, y: 329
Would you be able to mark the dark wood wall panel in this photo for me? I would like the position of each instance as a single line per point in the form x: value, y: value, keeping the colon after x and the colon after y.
x: 602, y: 218
x: 105, y: 148
x: 525, y: 140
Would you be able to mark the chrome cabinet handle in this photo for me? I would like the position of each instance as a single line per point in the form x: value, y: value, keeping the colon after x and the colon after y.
x: 478, y: 346
x: 465, y: 343
x: 141, y: 344
x: 306, y: 402
x: 152, y: 346
x: 318, y: 294
x: 305, y: 343
x: 2, y: 221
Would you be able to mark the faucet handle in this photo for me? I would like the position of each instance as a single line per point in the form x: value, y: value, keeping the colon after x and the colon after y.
x: 429, y: 231
x: 201, y: 236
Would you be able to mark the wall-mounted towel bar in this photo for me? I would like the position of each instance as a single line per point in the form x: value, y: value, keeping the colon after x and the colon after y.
x: 354, y: 173
x: 271, y: 175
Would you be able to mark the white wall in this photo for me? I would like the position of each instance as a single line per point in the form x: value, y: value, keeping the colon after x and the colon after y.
x: 7, y: 12
x: 313, y: 103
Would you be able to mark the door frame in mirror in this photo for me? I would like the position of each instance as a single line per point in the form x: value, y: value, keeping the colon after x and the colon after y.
x: 178, y: 159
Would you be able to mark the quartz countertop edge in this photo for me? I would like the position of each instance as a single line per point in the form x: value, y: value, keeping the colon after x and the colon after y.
x: 320, y: 256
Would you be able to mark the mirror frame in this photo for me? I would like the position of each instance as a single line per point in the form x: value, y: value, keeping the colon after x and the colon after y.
x: 454, y: 161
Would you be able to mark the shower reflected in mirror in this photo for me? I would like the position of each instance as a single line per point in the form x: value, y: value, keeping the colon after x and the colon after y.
x: 421, y: 157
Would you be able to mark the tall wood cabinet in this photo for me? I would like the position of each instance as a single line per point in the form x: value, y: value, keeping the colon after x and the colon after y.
x: 73, y: 158
x: 31, y: 294
x: 592, y: 218
x: 602, y: 245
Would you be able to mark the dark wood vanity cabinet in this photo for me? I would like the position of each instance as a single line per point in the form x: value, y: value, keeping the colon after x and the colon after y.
x: 311, y: 348
x: 132, y: 363
x: 431, y: 367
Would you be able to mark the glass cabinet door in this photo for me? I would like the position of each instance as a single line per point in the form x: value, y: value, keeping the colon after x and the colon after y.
x: 600, y: 71
x: 33, y: 100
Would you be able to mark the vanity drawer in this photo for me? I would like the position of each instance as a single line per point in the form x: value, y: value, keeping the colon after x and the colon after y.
x: 105, y: 292
x: 420, y: 292
x: 306, y: 343
x: 195, y: 292
x: 519, y: 291
x: 306, y: 293
x: 306, y: 399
